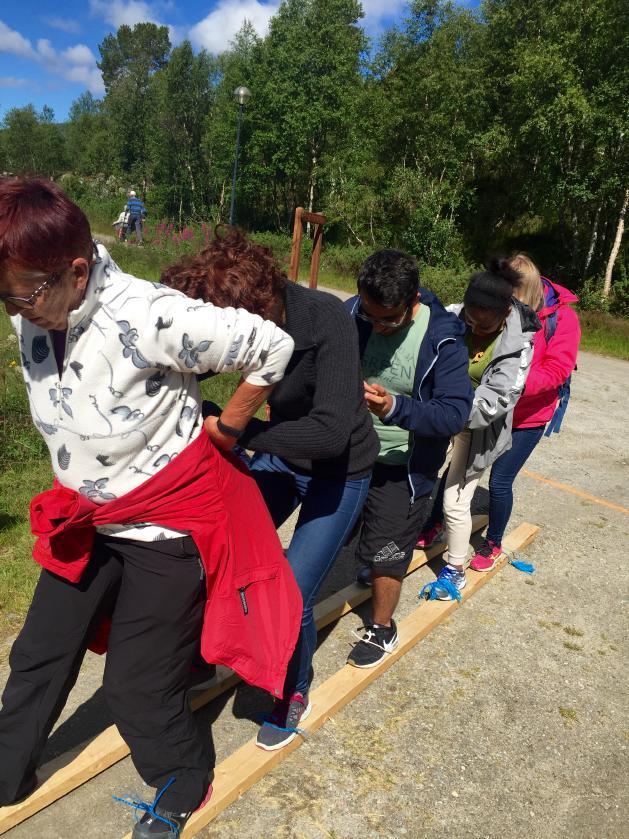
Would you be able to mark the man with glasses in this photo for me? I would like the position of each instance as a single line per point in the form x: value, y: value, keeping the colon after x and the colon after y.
x: 419, y: 394
x: 110, y: 364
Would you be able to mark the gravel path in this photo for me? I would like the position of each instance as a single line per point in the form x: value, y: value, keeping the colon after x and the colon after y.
x: 510, y: 720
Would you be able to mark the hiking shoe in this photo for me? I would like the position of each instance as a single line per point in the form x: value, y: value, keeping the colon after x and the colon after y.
x: 486, y: 556
x: 165, y: 824
x: 363, y: 577
x: 282, y: 724
x: 429, y: 535
x: 450, y: 580
x: 376, y: 642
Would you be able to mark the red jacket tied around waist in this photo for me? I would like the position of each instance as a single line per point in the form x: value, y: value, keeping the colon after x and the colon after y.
x: 553, y: 360
x: 253, y: 608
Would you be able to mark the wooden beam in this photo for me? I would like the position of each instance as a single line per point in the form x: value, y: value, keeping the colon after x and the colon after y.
x: 317, y: 243
x: 313, y: 218
x: 241, y: 770
x: 73, y: 768
x: 295, y: 251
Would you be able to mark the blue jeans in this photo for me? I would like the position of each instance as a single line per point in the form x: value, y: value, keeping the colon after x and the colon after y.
x: 503, y: 474
x: 329, y: 510
x: 135, y: 223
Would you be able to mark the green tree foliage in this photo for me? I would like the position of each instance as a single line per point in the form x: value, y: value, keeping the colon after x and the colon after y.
x: 559, y: 95
x: 32, y: 143
x: 129, y: 60
x: 460, y: 133
x: 88, y: 137
x: 182, y: 93
x: 236, y: 67
x: 309, y: 81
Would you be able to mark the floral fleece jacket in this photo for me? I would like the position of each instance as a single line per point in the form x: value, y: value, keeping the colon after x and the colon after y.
x: 127, y: 400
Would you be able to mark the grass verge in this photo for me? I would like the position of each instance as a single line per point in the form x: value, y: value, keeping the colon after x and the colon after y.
x: 604, y: 334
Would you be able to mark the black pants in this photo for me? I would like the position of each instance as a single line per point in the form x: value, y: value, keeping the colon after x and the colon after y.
x: 156, y: 594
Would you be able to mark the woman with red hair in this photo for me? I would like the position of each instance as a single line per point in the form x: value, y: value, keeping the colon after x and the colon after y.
x: 145, y: 511
x: 318, y: 448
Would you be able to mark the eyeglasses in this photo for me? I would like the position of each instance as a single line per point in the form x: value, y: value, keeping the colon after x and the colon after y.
x: 387, y: 322
x: 30, y: 301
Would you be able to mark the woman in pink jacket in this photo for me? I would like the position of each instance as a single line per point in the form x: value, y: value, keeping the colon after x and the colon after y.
x: 554, y: 358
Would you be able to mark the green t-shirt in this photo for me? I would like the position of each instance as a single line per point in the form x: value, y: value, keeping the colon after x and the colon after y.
x: 390, y: 361
x: 480, y: 352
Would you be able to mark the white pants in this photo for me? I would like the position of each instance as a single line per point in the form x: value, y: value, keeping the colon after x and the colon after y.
x: 457, y: 501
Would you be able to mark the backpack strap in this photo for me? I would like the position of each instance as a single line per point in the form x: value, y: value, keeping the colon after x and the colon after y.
x: 554, y: 426
x: 563, y: 392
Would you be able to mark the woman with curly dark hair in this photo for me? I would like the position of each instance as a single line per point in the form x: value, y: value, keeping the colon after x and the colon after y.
x: 318, y: 448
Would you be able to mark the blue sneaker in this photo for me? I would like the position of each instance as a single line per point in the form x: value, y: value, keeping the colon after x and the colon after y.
x: 450, y: 581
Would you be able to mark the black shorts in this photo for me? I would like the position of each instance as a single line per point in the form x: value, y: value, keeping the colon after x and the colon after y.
x: 390, y: 525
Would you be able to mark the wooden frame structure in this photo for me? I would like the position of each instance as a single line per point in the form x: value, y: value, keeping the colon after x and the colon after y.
x: 77, y: 766
x: 318, y: 220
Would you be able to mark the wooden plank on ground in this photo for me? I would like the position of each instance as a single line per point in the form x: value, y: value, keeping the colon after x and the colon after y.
x: 74, y: 768
x: 242, y: 769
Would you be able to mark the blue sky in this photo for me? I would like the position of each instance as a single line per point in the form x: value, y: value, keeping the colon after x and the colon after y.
x: 48, y: 51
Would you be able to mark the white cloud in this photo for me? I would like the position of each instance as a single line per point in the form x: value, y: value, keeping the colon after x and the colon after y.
x: 378, y: 9
x: 11, y: 81
x: 80, y: 54
x: 379, y: 14
x: 75, y: 64
x: 129, y: 12
x: 45, y: 50
x: 68, y: 25
x: 120, y: 13
x: 11, y: 41
x: 215, y: 31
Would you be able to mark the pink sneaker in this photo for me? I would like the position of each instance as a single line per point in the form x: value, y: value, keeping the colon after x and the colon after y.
x: 429, y: 535
x: 487, y: 556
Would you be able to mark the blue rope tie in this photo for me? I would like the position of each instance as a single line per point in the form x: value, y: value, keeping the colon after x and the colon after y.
x: 150, y: 808
x: 283, y: 728
x: 429, y: 591
x: 265, y: 719
x: 526, y: 567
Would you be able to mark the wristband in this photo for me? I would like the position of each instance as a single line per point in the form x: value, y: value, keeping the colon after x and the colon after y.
x: 227, y: 430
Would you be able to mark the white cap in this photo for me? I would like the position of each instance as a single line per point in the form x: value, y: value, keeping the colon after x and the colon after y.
x: 132, y: 194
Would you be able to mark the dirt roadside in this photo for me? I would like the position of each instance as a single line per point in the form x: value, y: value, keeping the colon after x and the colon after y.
x: 510, y: 720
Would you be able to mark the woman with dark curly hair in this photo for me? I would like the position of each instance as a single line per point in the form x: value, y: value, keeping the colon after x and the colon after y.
x: 318, y: 448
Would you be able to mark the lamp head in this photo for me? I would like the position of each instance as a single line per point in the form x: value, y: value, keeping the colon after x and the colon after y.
x: 242, y: 95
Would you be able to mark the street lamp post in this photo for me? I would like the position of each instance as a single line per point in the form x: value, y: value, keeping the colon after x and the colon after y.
x: 242, y: 95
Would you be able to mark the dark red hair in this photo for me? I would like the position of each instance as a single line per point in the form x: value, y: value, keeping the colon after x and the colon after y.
x: 39, y: 226
x: 231, y: 271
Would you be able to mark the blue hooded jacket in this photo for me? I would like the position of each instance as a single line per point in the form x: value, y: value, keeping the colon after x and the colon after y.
x: 442, y: 392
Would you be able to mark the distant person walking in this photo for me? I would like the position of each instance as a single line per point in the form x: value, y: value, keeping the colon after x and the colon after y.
x: 137, y: 213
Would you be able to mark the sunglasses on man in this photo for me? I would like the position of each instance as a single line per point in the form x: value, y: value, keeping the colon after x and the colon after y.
x: 387, y: 322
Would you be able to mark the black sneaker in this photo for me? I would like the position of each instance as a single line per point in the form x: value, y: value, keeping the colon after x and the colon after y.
x: 164, y: 824
x: 282, y: 725
x: 363, y: 577
x: 167, y: 826
x: 374, y: 645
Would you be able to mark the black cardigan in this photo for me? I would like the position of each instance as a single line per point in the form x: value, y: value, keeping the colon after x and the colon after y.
x: 319, y: 420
